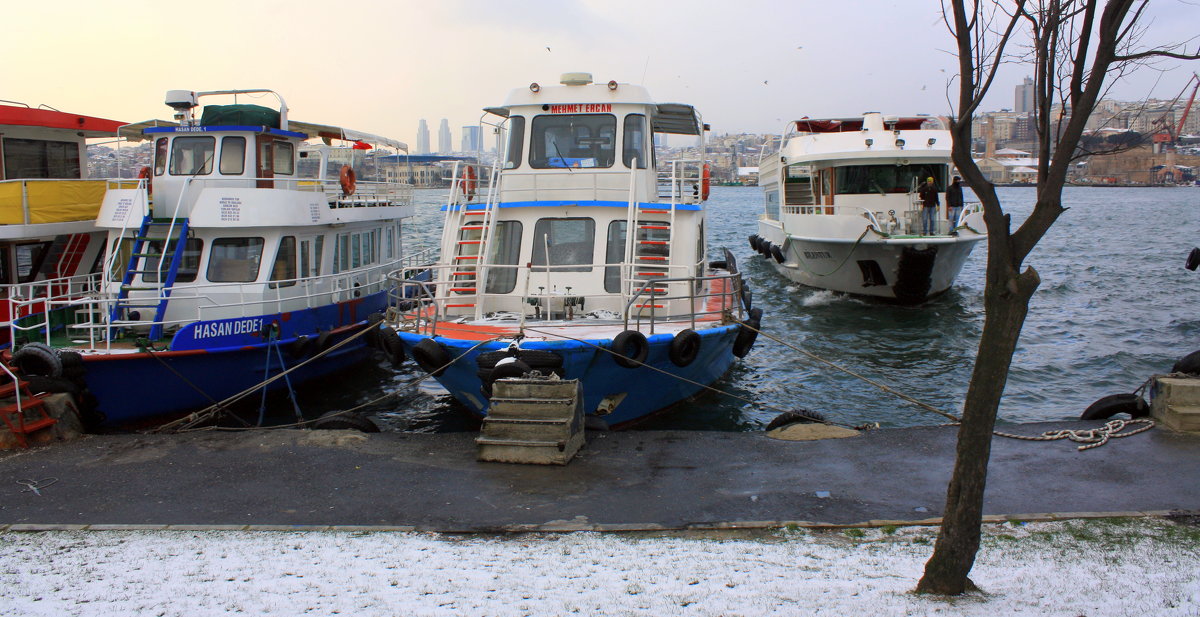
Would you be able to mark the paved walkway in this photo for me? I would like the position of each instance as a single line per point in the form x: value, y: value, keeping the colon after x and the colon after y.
x: 620, y: 480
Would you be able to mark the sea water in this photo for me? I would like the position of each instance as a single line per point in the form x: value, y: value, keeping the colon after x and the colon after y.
x: 1114, y: 307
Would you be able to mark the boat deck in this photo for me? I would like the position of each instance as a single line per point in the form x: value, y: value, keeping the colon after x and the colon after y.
x: 619, y: 481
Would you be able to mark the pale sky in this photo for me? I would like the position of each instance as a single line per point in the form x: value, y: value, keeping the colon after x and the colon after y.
x: 380, y: 66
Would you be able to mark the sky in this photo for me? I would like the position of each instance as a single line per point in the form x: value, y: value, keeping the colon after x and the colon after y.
x: 380, y: 66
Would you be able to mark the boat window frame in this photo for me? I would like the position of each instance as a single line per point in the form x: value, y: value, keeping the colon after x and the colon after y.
x: 174, y: 165
x: 516, y: 142
x: 537, y: 135
x: 160, y: 156
x: 504, y: 250
x: 626, y: 154
x: 241, y: 169
x: 570, y: 266
x: 285, y: 259
x: 25, y: 157
x: 844, y: 184
x: 277, y: 157
x: 251, y: 257
x: 189, y: 263
x: 614, y: 255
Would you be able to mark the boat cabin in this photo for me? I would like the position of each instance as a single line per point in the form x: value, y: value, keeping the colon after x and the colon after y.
x: 547, y: 235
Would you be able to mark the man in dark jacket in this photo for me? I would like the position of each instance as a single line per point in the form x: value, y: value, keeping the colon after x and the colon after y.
x: 954, y: 202
x: 929, y: 206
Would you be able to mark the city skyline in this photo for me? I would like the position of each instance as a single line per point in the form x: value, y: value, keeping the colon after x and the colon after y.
x: 892, y: 58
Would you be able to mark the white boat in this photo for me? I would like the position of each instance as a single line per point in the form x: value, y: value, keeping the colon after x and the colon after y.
x: 581, y: 253
x: 244, y: 255
x: 842, y: 211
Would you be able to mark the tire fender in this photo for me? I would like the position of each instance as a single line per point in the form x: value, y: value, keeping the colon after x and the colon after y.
x: 685, y: 347
x: 630, y: 348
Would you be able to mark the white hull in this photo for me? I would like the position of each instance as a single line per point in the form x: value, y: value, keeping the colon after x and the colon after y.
x: 904, y: 270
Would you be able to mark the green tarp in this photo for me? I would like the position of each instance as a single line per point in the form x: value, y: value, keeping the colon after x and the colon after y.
x: 239, y: 115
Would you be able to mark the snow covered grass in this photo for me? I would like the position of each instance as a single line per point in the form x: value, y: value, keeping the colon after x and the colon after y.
x: 1080, y: 568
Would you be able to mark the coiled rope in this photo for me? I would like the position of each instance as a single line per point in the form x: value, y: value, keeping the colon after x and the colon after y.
x: 1093, y: 438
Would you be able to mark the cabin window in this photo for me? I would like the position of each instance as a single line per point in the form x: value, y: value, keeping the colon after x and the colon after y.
x: 37, y: 158
x: 235, y: 260
x: 189, y: 261
x: 29, y: 259
x: 772, y: 198
x: 233, y: 155
x: 570, y: 241
x: 573, y: 140
x: 192, y: 156
x: 634, y: 141
x: 884, y: 179
x: 614, y: 254
x: 505, y: 251
x: 285, y: 158
x: 284, y: 269
x: 160, y: 156
x: 355, y: 250
x: 516, y: 142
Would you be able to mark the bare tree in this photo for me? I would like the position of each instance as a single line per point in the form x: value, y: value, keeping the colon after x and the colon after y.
x: 1074, y: 47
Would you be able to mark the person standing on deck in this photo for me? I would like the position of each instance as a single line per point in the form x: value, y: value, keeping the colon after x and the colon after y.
x: 954, y: 202
x: 929, y: 206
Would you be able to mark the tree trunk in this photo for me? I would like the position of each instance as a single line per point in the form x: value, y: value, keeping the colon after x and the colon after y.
x: 1006, y: 301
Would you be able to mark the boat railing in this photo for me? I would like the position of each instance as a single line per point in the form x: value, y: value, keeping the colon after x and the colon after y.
x: 680, y: 181
x: 28, y: 307
x: 424, y: 303
x: 193, y: 302
x: 41, y: 200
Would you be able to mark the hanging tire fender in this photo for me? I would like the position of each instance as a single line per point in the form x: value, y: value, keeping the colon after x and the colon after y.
x: 630, y: 348
x: 302, y: 346
x: 1108, y: 406
x: 1189, y: 364
x: 340, y: 420
x: 747, y: 335
x: 777, y: 253
x: 431, y: 357
x: 685, y: 347
x: 38, y: 359
x: 392, y: 346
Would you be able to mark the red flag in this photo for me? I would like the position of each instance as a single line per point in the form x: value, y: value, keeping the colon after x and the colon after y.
x: 362, y: 145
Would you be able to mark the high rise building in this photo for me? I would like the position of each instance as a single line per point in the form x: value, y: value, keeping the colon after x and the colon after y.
x: 471, y: 141
x: 445, y: 146
x: 422, y: 137
x: 1024, y: 97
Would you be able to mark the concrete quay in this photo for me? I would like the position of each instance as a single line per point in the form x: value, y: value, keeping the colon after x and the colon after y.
x: 620, y: 481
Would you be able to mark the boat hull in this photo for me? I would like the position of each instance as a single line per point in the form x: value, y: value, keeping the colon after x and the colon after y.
x: 632, y: 393
x: 906, y: 270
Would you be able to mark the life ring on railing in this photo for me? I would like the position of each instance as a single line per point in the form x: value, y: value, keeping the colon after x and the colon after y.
x: 630, y: 348
x: 145, y: 174
x: 705, y: 182
x: 348, y: 180
x: 467, y: 182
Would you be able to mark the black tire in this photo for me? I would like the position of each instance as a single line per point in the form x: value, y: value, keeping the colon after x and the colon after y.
x: 302, y: 346
x: 1189, y: 364
x: 1193, y: 259
x: 718, y: 265
x: 339, y: 420
x: 38, y: 359
x: 70, y: 359
x: 792, y: 417
x: 746, y: 336
x: 747, y: 297
x: 39, y: 384
x: 777, y: 253
x: 374, y: 335
x: 1108, y: 406
x: 324, y: 340
x: 431, y: 357
x: 630, y: 348
x: 754, y: 242
x: 393, y: 346
x: 685, y: 347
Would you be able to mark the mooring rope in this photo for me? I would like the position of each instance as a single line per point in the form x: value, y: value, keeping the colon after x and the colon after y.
x: 1094, y: 438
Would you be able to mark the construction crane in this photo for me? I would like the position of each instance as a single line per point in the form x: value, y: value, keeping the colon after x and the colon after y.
x: 1168, y: 135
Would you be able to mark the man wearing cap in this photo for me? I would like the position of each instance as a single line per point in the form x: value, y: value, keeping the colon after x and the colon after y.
x: 954, y: 202
x: 929, y: 206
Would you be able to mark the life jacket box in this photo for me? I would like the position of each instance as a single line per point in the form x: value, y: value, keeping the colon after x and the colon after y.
x: 239, y: 115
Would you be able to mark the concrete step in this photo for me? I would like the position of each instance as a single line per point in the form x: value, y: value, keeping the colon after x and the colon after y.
x: 1180, y: 417
x: 1178, y: 390
x: 533, y: 420
x: 533, y: 429
x: 529, y: 452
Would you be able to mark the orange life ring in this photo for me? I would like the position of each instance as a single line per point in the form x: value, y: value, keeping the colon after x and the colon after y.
x: 348, y: 180
x: 144, y: 174
x: 706, y: 180
x: 467, y: 182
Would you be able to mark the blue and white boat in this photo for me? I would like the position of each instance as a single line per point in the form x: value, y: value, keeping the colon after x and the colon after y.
x: 581, y: 253
x: 244, y: 252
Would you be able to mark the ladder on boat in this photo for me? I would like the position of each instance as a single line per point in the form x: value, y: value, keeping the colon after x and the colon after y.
x: 652, y: 227
x: 26, y: 413
x: 473, y: 227
x: 169, y: 238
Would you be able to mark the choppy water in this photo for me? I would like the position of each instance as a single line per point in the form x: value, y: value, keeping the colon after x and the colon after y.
x: 1114, y: 307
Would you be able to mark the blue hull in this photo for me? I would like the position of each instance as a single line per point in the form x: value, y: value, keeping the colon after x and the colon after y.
x: 137, y: 387
x: 646, y: 390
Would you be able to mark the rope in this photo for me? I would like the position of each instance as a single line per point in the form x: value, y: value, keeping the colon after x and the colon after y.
x: 1094, y: 438
x: 354, y: 409
x: 849, y: 253
x: 799, y: 412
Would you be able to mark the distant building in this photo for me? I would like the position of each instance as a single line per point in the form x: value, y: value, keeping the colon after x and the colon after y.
x: 422, y: 137
x: 471, y: 140
x: 445, y: 145
x: 1024, y: 97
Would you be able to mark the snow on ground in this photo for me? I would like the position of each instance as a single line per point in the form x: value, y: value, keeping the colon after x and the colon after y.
x: 1139, y: 568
